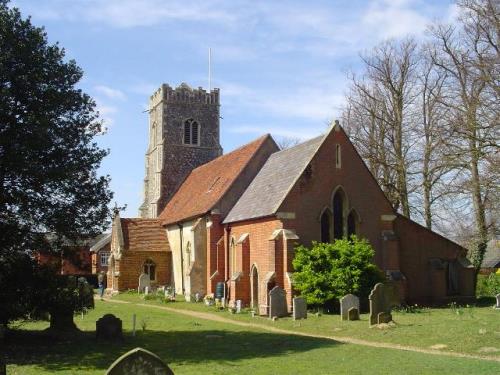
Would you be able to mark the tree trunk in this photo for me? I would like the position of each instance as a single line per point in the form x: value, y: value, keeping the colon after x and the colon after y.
x: 62, y: 321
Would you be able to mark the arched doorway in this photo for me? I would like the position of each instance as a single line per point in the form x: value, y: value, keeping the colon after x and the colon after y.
x: 254, y: 287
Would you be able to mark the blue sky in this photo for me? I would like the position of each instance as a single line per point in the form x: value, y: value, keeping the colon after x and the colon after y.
x: 280, y: 65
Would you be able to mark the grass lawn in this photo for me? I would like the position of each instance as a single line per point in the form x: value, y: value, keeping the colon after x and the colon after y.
x: 196, y: 346
x: 469, y: 330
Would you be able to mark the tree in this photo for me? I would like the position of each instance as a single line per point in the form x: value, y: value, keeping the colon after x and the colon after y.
x: 48, y: 156
x: 470, y: 62
x: 331, y: 270
x: 381, y: 99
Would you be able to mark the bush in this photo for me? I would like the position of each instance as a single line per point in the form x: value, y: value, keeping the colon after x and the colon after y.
x: 329, y: 271
x: 488, y: 285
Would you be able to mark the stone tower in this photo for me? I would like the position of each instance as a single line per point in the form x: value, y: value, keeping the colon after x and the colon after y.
x: 183, y: 134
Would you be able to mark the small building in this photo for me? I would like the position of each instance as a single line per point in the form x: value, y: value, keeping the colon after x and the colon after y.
x: 100, y: 252
x: 138, y: 246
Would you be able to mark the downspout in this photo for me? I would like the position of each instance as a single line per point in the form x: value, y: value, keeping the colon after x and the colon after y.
x: 182, y: 257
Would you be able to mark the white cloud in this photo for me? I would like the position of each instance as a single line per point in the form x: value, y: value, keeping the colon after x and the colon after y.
x: 392, y: 19
x: 110, y: 93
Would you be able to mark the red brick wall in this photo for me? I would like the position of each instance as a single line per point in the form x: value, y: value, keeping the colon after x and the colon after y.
x: 131, y: 264
x: 418, y: 245
x: 259, y: 231
x: 312, y: 194
x: 215, y: 252
x: 96, y: 259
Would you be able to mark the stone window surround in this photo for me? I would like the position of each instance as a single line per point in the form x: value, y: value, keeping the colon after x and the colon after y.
x: 190, y: 122
x: 104, y: 258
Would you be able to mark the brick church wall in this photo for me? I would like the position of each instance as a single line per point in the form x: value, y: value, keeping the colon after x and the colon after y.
x: 131, y: 266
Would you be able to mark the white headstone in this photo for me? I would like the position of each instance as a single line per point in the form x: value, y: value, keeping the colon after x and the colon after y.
x: 146, y: 290
x: 347, y: 302
x: 238, y: 306
x: 144, y: 281
x: 299, y: 308
x: 498, y: 301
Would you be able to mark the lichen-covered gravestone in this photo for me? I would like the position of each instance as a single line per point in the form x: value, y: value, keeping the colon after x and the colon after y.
x: 139, y: 361
x: 382, y: 298
x: 348, y: 302
x: 277, y: 303
x: 299, y: 308
x: 498, y: 301
x: 109, y: 327
x: 144, y: 281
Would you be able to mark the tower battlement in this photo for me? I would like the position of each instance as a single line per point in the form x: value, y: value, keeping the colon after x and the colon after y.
x: 184, y: 94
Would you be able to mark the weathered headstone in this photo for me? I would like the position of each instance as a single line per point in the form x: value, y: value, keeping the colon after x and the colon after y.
x: 384, y: 317
x: 144, y: 281
x: 277, y: 302
x: 347, y: 302
x: 238, y: 306
x: 109, y: 327
x: 382, y: 298
x: 139, y: 361
x: 353, y: 314
x: 146, y: 290
x: 299, y: 308
x: 498, y: 301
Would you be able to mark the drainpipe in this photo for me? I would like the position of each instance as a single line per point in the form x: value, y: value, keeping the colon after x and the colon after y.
x: 182, y: 257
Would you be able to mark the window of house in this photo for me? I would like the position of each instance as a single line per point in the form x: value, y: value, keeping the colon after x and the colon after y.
x: 150, y: 269
x: 104, y: 258
x: 191, y: 132
x: 325, y: 226
x: 338, y: 156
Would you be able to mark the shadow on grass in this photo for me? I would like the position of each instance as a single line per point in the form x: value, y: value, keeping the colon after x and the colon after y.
x: 179, y: 347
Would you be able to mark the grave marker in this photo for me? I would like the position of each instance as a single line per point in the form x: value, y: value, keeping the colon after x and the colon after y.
x: 139, y: 361
x: 299, y: 308
x: 277, y: 303
x: 348, y: 302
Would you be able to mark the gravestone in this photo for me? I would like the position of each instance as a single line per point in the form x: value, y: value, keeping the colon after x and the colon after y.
x: 144, y: 281
x: 238, y: 306
x: 277, y: 302
x: 347, y: 302
x: 384, y: 317
x: 498, y: 301
x: 109, y: 327
x: 382, y: 298
x: 146, y: 290
x: 353, y: 314
x: 139, y: 361
x: 299, y: 308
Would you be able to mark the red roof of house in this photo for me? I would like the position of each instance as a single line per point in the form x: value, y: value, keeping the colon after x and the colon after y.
x: 207, y: 184
x: 144, y: 235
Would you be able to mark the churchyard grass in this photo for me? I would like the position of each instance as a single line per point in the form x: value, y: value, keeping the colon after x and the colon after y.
x: 193, y: 346
x: 461, y: 329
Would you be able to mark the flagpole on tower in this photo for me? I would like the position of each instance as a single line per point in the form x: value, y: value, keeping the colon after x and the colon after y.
x: 209, y: 69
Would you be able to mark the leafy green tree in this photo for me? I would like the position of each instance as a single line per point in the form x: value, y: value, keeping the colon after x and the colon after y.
x: 327, y: 271
x: 48, y: 156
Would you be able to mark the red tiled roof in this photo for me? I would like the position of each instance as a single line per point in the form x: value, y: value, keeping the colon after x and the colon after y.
x: 207, y: 184
x: 144, y: 235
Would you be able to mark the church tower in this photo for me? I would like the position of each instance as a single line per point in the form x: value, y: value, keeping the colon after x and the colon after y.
x: 183, y: 134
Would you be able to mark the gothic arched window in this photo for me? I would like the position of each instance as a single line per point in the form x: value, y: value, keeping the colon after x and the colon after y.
x: 191, y: 132
x: 150, y: 269
x: 325, y: 226
x: 352, y: 223
x: 338, y: 214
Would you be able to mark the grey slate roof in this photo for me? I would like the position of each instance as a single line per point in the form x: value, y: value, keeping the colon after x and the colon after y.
x: 269, y: 188
x: 492, y: 255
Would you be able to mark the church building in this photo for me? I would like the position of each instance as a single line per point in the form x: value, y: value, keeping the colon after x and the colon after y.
x: 236, y: 218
